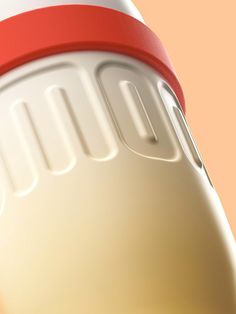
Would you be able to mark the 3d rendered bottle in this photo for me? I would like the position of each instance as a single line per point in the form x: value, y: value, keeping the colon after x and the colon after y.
x: 106, y: 206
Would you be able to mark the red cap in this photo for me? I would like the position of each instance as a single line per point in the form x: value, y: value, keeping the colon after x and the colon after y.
x: 52, y: 30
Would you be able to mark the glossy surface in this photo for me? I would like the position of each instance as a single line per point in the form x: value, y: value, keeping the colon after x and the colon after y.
x: 105, y: 204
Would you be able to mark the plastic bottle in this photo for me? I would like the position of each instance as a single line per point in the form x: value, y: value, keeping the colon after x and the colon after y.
x: 106, y: 206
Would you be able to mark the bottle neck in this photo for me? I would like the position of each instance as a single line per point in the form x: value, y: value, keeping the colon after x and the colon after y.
x: 15, y: 7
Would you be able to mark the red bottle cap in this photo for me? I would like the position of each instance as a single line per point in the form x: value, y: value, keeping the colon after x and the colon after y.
x: 52, y: 30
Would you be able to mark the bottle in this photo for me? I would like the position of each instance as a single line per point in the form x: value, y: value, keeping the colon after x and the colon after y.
x: 106, y: 206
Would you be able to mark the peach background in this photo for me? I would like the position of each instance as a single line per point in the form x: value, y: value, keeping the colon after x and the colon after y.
x: 200, y: 38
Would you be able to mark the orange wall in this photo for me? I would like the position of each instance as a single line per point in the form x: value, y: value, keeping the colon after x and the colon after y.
x: 200, y: 38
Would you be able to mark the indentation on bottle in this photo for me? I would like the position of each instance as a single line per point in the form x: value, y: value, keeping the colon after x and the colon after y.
x: 16, y: 158
x: 208, y: 177
x: 183, y: 133
x: 78, y: 110
x: 58, y: 106
x: 90, y: 121
x: 45, y: 126
x: 138, y: 112
x: 187, y: 137
x: 168, y: 96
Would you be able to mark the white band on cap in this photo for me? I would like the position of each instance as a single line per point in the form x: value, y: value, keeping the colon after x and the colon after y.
x: 13, y: 7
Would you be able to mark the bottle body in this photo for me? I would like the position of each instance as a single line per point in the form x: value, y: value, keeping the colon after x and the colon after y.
x: 106, y: 205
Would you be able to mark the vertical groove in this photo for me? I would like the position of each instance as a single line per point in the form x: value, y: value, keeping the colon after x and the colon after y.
x: 55, y: 98
x: 138, y: 112
x: 65, y: 99
x: 94, y: 103
x: 27, y: 158
x: 37, y: 136
x: 187, y: 136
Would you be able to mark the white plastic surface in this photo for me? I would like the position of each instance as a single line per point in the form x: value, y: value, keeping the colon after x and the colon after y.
x: 13, y: 7
x: 106, y: 207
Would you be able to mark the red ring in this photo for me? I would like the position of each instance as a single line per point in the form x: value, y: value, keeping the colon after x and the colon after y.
x: 39, y: 33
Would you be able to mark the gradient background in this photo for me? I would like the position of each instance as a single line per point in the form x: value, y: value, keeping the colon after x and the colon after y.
x: 200, y: 38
